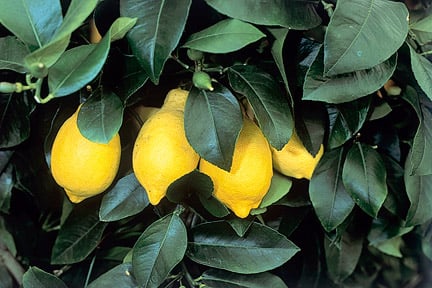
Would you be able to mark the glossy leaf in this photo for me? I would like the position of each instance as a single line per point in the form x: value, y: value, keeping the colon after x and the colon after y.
x: 216, y: 117
x: 270, y: 106
x: 125, y: 199
x: 15, y: 113
x: 78, y: 236
x: 79, y: 65
x: 223, y: 37
x: 422, y: 69
x: 37, y: 278
x: 224, y: 279
x: 240, y: 225
x: 157, y: 32
x: 345, y: 87
x: 279, y: 187
x: 346, y: 120
x: 158, y: 250
x: 364, y: 178
x: 217, y: 245
x: 287, y: 13
x: 119, y: 276
x: 328, y: 195
x: 33, y: 21
x: 418, y: 189
x: 101, y: 116
x: 362, y: 40
x: 12, y: 52
x: 420, y: 157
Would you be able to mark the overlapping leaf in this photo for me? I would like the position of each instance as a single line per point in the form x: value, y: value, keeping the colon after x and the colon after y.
x: 422, y: 69
x: 220, y: 278
x: 37, y: 278
x: 12, y: 52
x: 119, y: 276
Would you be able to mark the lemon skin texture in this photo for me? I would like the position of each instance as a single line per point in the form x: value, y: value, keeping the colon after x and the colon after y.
x: 294, y: 160
x: 82, y: 167
x: 162, y: 153
x: 243, y: 187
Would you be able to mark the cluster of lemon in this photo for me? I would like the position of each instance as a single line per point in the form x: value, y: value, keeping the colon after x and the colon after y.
x: 162, y: 154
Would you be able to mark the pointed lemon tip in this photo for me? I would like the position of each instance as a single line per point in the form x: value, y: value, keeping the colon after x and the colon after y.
x: 74, y: 198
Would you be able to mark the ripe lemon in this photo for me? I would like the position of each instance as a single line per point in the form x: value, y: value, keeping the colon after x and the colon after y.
x: 83, y: 168
x: 243, y: 187
x: 294, y: 159
x: 162, y: 153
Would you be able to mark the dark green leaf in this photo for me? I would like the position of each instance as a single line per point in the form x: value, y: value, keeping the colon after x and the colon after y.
x: 364, y: 177
x: 225, y: 36
x: 194, y: 182
x: 270, y: 106
x: 345, y: 87
x: 119, y: 276
x: 214, y: 116
x: 217, y: 245
x: 346, y: 120
x: 240, y: 226
x: 424, y: 24
x: 287, y: 13
x: 397, y: 201
x: 366, y: 38
x: 125, y: 199
x: 33, y: 21
x: 157, y: 32
x: 78, y: 236
x: 331, y: 201
x: 214, y: 206
x: 427, y: 241
x: 101, y: 116
x: 12, y: 53
x: 419, y: 189
x: 37, y: 278
x: 7, y: 239
x: 6, y: 184
x: 422, y: 69
x: 280, y: 186
x: 158, y: 250
x: 224, y: 279
x: 391, y: 247
x: 6, y: 279
x: 15, y: 110
x: 383, y: 230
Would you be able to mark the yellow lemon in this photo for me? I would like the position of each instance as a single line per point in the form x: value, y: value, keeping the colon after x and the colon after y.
x: 294, y: 159
x: 162, y: 153
x: 82, y: 167
x: 243, y: 187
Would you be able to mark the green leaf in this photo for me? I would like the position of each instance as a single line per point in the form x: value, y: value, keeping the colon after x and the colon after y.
x: 291, y: 14
x: 383, y: 231
x: 78, y: 236
x: 279, y: 187
x: 364, y: 178
x: 157, y: 32
x: 12, y: 53
x: 240, y: 225
x: 424, y: 24
x: 391, y: 247
x: 345, y: 87
x: 192, y: 183
x: 15, y: 113
x: 7, y: 183
x: 366, y: 38
x: 217, y: 245
x: 420, y: 157
x: 223, y: 37
x: 422, y: 69
x: 270, y: 106
x: 224, y: 279
x: 101, y: 116
x: 33, y: 21
x: 7, y: 239
x: 418, y: 189
x: 347, y: 119
x: 158, y: 250
x: 37, y: 278
x: 79, y: 65
x: 119, y: 276
x: 125, y: 199
x: 328, y: 195
x: 216, y: 117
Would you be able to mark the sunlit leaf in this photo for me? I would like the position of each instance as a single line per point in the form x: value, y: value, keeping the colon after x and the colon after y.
x: 225, y: 36
x: 37, y: 278
x: 279, y: 187
x: 270, y: 106
x: 366, y: 38
x: 216, y: 117
x: 220, y: 278
x: 157, y: 32
x: 119, y: 276
x: 216, y: 245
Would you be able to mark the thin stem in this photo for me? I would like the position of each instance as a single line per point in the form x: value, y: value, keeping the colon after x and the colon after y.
x: 90, y: 271
x: 188, y: 277
x: 329, y: 7
x: 184, y: 65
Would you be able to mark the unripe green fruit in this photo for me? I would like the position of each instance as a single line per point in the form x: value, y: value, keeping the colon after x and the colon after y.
x: 195, y: 55
x: 38, y: 70
x: 202, y: 80
x: 7, y: 87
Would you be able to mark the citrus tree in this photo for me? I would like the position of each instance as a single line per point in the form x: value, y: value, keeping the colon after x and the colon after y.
x: 211, y: 143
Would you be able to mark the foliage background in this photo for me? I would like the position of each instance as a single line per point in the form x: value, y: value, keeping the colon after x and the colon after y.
x: 364, y: 219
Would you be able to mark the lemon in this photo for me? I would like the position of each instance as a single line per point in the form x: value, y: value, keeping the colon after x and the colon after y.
x: 82, y: 167
x: 161, y: 152
x: 294, y: 159
x: 243, y: 187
